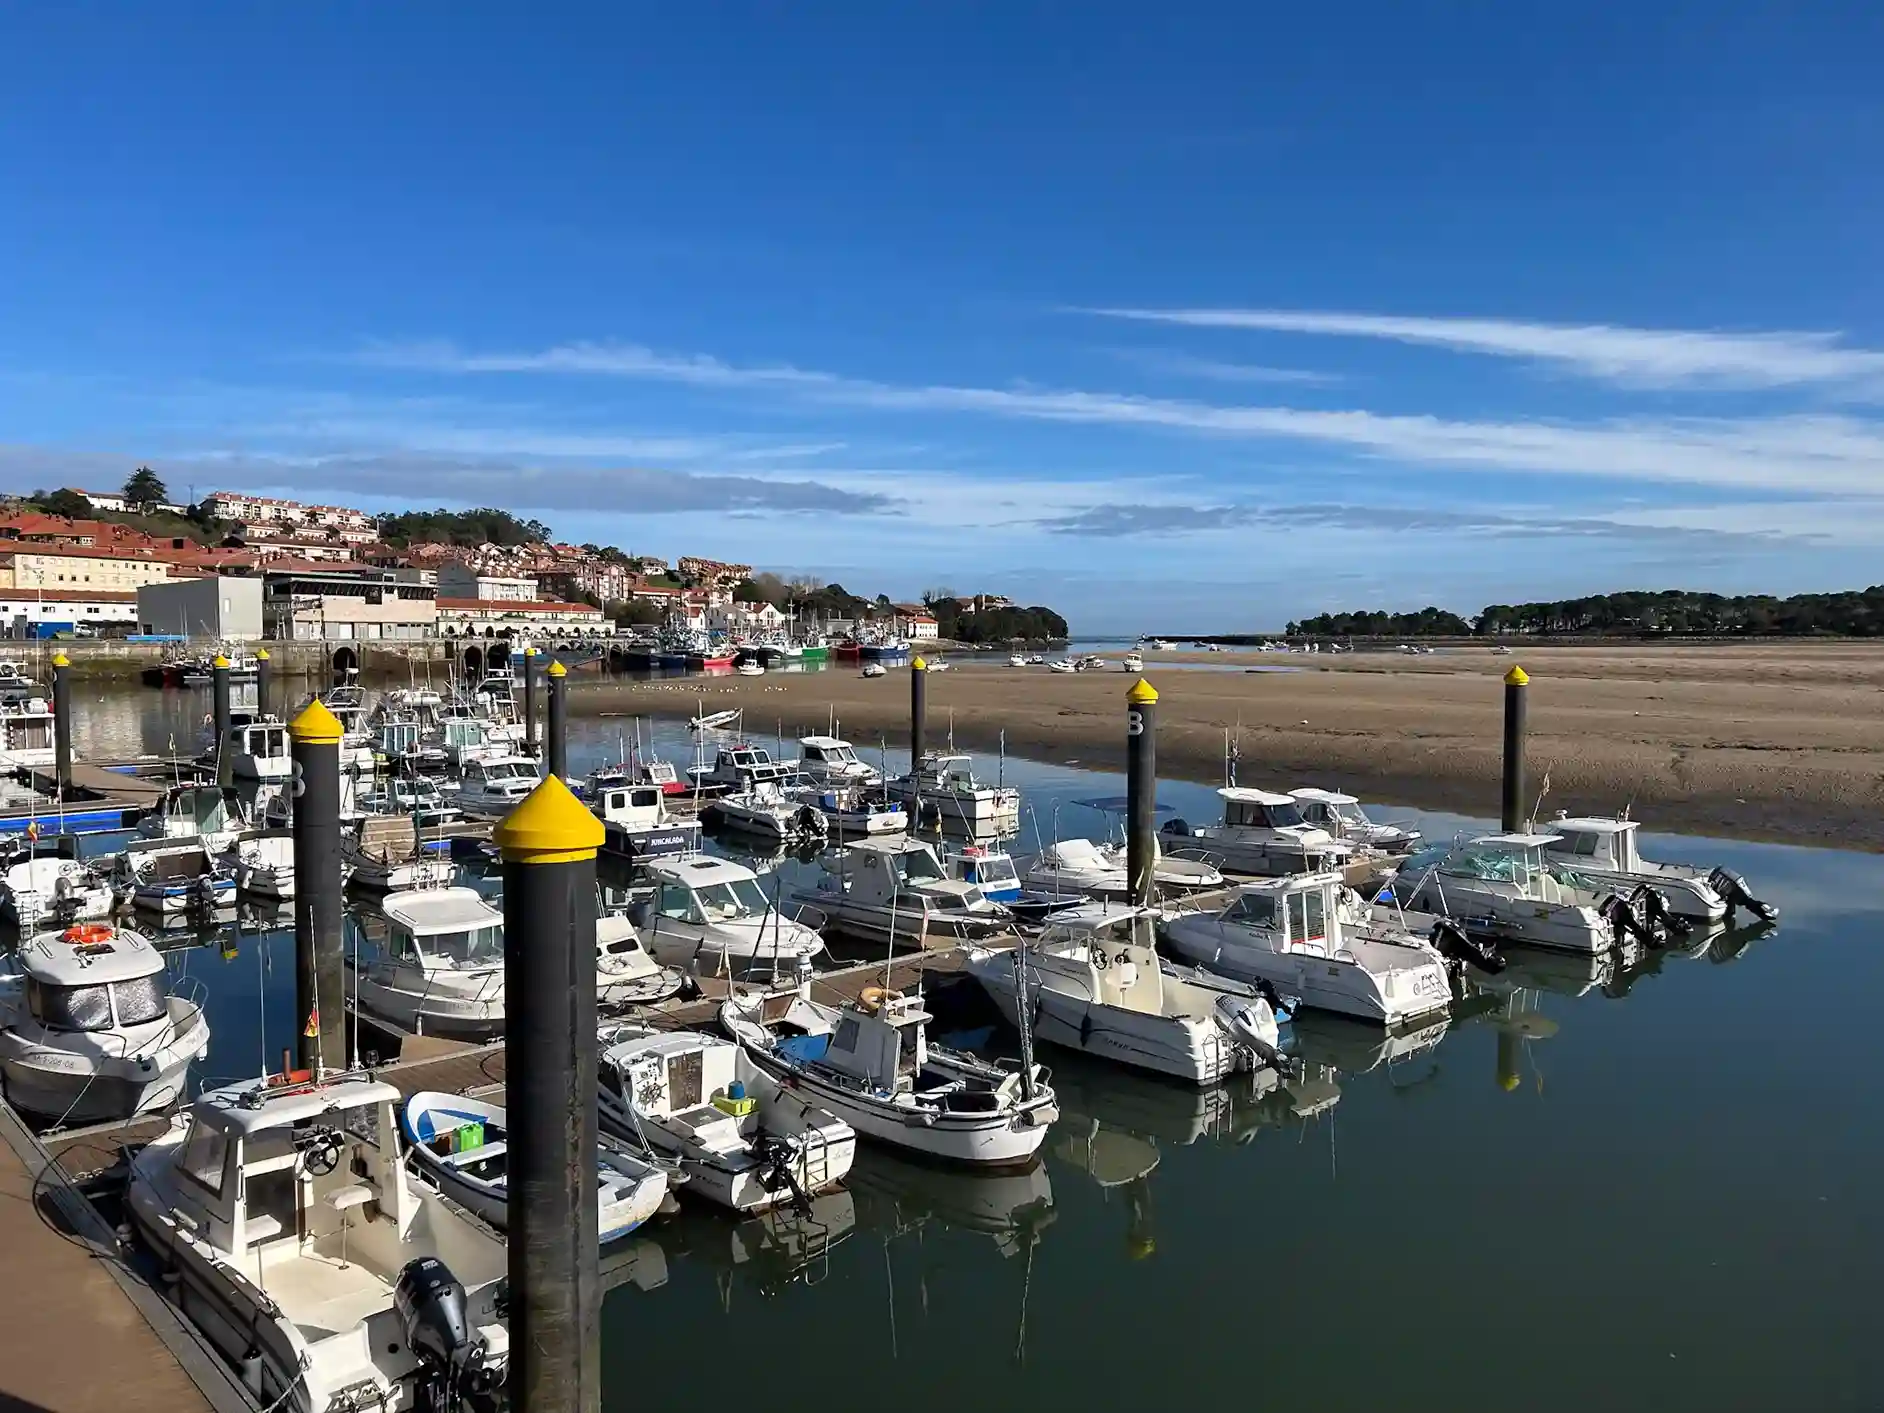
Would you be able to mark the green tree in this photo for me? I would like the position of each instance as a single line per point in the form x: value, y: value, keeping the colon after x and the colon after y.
x: 68, y: 503
x: 634, y: 613
x: 143, y: 490
x: 745, y: 591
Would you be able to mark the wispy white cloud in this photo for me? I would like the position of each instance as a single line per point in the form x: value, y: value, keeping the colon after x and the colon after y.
x: 1804, y: 454
x: 1181, y: 365
x: 1646, y: 358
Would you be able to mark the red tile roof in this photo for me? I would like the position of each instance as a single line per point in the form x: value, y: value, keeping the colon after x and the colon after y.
x: 68, y: 596
x: 519, y: 605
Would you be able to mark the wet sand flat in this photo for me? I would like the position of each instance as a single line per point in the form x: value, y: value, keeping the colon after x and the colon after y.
x: 1780, y: 742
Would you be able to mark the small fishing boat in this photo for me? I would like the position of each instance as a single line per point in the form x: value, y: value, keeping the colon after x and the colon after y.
x: 740, y: 766
x: 740, y: 1138
x: 715, y: 720
x: 90, y: 1029
x: 945, y: 787
x: 750, y: 669
x: 45, y: 881
x: 264, y: 864
x: 1263, y: 833
x: 1016, y: 660
x: 1099, y: 871
x: 1099, y: 989
x: 1065, y: 664
x: 625, y: 975
x: 385, y: 854
x: 896, y: 889
x: 1290, y: 934
x: 1605, y: 850
x: 491, y: 788
x: 871, y: 1065
x: 828, y: 761
x: 637, y: 826
x: 178, y: 875
x: 991, y: 869
x: 418, y: 796
x: 855, y: 809
x: 769, y: 812
x: 440, y: 970
x: 459, y: 1146
x: 1133, y: 663
x: 874, y: 669
x: 306, y: 1254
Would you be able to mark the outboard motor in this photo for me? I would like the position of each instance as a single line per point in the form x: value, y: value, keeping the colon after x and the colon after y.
x: 1623, y: 922
x: 1733, y: 891
x: 433, y: 1313
x: 1656, y: 913
x: 1455, y: 942
x: 1177, y: 828
x: 777, y: 1156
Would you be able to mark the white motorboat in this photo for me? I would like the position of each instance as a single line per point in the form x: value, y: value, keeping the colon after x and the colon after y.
x: 1016, y: 660
x: 1265, y: 834
x: 494, y: 787
x: 1343, y: 817
x: 385, y: 853
x: 416, y: 795
x: 1065, y: 664
x: 14, y: 681
x: 1605, y: 850
x: 440, y: 970
x: 712, y: 917
x: 740, y: 1138
x: 871, y: 1065
x: 47, y: 883
x: 739, y: 768
x: 306, y: 1255
x: 945, y: 786
x: 177, y: 875
x: 991, y: 869
x: 264, y: 864
x: 715, y: 720
x: 827, y: 762
x: 750, y: 669
x: 625, y: 975
x: 1099, y: 989
x: 1506, y: 887
x: 859, y: 809
x: 211, y: 814
x: 1289, y: 933
x: 459, y: 1146
x: 637, y: 826
x: 1099, y: 871
x: 768, y: 812
x: 89, y: 1028
x: 896, y: 889
x: 874, y: 669
x: 1133, y: 663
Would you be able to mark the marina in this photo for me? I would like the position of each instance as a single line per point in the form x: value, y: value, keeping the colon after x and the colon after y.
x: 1142, y: 1175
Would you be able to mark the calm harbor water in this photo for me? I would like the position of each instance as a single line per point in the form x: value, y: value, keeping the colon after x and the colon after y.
x: 1627, y: 1186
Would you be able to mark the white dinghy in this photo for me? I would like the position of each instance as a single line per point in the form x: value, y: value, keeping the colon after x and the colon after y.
x: 870, y: 1063
x: 741, y: 1139
x: 459, y: 1147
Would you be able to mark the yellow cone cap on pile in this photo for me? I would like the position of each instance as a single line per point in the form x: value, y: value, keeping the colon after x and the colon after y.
x: 550, y: 826
x: 316, y: 726
x: 61, y: 660
x: 1143, y: 694
x: 220, y: 661
x: 556, y: 669
x: 1517, y: 677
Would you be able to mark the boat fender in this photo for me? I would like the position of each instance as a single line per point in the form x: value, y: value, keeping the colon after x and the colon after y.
x: 872, y: 998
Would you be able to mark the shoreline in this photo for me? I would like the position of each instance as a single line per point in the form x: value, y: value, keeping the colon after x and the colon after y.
x: 1772, y: 744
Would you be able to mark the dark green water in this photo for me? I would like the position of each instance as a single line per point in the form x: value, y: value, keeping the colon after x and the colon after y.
x: 1651, y: 1188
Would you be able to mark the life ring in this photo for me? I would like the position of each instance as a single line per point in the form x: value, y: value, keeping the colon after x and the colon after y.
x: 872, y: 998
x: 90, y: 932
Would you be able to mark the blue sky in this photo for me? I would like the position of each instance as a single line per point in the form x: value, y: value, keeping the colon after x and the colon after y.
x: 1181, y: 317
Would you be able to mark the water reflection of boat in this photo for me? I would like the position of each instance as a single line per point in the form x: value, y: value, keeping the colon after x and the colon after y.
x: 896, y: 1194
x: 1160, y: 1109
x: 1354, y: 1047
x: 1563, y: 973
x: 784, y: 1246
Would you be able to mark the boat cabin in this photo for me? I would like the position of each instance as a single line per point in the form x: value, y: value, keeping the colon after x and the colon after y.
x: 1605, y: 844
x: 953, y: 775
x: 901, y: 871
x: 638, y: 826
x: 510, y: 777
x: 1330, y: 810
x: 268, y: 1171
x: 703, y: 890
x: 990, y: 869
x: 633, y: 806
x: 399, y: 739
x: 741, y: 767
x: 26, y: 732
x: 94, y: 978
x: 881, y: 1046
x: 1244, y: 808
x: 1299, y: 911
x: 681, y: 1080
x: 444, y: 929
x: 255, y: 750
x: 212, y: 812
x: 829, y: 760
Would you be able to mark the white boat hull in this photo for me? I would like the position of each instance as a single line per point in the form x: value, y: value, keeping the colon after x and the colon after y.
x: 1325, y: 983
x: 453, y: 1017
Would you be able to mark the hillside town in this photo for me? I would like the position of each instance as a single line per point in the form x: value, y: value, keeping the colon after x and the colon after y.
x: 129, y: 562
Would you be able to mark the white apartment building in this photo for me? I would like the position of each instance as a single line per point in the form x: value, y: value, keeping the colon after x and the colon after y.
x: 457, y: 580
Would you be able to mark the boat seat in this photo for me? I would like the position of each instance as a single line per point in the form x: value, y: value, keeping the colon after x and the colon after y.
x: 476, y: 1155
x: 345, y: 1199
x: 259, y: 1228
x: 710, y: 1128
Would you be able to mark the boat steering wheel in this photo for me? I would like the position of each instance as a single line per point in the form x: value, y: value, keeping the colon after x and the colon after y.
x: 320, y: 1151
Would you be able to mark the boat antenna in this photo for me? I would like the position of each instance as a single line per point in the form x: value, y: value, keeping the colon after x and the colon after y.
x: 1538, y: 808
x: 1023, y: 1020
x: 1000, y: 768
x: 951, y: 730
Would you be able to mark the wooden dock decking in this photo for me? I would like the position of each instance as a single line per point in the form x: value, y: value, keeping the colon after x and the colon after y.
x: 85, y: 1333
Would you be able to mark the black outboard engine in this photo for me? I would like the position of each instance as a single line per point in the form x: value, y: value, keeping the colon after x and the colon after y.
x: 1733, y: 891
x: 433, y: 1313
x: 1455, y: 942
x: 1177, y: 828
x: 1657, y: 915
x: 1623, y: 922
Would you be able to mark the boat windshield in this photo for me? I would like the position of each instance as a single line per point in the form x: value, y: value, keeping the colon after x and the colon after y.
x: 478, y: 946
x: 996, y: 869
x: 839, y: 755
x: 1283, y: 816
x: 1350, y: 814
x: 509, y: 770
x: 919, y: 866
x: 733, y: 900
x: 140, y: 1000
x: 69, y: 1007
